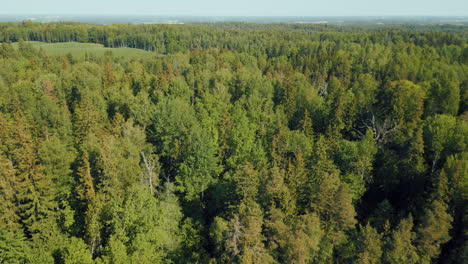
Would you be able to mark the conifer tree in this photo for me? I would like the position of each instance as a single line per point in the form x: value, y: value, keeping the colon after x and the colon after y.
x: 85, y: 188
x: 400, y: 247
x: 370, y: 246
x: 8, y: 207
x: 34, y: 191
x: 433, y: 231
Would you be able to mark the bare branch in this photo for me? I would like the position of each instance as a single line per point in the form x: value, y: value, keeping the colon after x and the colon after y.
x: 151, y: 168
x: 381, y: 130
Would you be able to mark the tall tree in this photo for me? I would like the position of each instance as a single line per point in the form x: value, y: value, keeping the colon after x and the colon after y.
x: 400, y: 246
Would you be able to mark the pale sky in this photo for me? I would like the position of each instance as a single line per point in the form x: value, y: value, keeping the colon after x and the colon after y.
x: 240, y: 7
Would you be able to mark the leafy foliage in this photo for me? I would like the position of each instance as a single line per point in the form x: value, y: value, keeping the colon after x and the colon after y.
x: 233, y: 143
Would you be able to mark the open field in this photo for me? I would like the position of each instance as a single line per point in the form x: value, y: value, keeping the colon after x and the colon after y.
x: 80, y: 49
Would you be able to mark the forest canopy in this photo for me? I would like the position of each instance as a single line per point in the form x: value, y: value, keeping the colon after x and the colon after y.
x: 234, y: 143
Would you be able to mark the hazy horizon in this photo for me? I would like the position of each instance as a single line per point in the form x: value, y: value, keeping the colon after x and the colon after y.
x: 183, y: 15
x: 171, y: 19
x: 238, y: 8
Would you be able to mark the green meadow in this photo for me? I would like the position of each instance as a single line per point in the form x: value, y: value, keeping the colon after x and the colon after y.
x: 81, y: 49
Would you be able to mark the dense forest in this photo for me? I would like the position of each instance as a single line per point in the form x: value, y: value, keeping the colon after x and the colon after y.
x: 235, y: 143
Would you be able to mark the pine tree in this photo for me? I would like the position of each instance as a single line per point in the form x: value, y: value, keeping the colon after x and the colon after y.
x: 277, y: 233
x: 400, y: 246
x: 336, y: 100
x: 289, y: 99
x: 34, y: 191
x: 90, y: 204
x: 8, y: 208
x: 415, y: 163
x: 303, y: 242
x: 14, y: 248
x: 370, y: 246
x: 276, y: 193
x: 251, y: 240
x: 331, y: 198
x: 85, y: 188
x: 109, y: 77
x: 296, y: 180
x: 306, y: 125
x: 433, y: 231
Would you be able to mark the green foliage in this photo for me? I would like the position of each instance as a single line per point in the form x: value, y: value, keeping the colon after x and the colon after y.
x: 370, y: 246
x: 200, y: 166
x: 444, y: 136
x: 8, y: 209
x: 145, y: 230
x: 303, y: 242
x: 444, y: 92
x: 433, y: 231
x: 401, y: 248
x: 355, y: 160
x: 232, y: 143
x: 405, y: 106
x: 452, y: 183
x: 14, y: 248
x: 74, y: 251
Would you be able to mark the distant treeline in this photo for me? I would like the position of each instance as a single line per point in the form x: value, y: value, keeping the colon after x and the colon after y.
x: 243, y: 37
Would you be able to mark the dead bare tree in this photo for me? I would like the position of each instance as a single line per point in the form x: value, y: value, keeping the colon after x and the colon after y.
x: 323, y: 88
x: 381, y: 130
x: 152, y: 171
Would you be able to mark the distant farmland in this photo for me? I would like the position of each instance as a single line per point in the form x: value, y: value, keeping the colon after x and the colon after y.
x: 81, y: 49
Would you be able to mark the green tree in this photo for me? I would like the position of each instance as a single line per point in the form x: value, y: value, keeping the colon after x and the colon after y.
x: 370, y: 246
x: 74, y: 252
x: 199, y: 167
x: 443, y: 93
x: 433, y: 231
x: 9, y: 219
x: 402, y: 103
x: 14, y: 249
x: 443, y: 136
x: 400, y: 247
x: 145, y: 229
x: 303, y: 242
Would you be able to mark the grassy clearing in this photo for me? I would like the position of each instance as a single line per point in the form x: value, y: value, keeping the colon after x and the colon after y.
x: 80, y: 49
